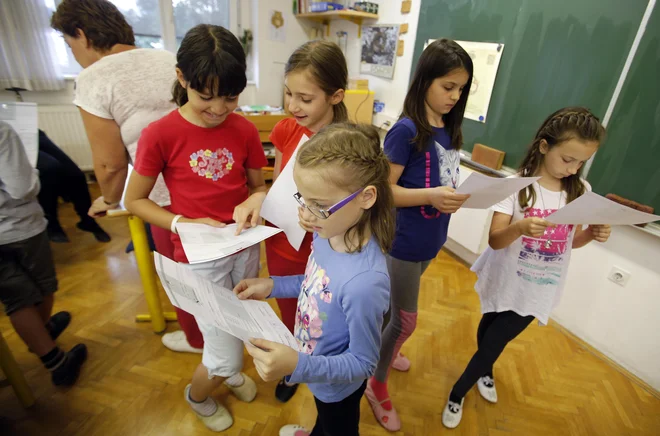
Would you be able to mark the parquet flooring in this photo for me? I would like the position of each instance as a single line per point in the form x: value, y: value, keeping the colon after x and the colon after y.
x: 548, y: 384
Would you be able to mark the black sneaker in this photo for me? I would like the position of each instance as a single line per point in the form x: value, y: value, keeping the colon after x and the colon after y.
x: 93, y: 227
x: 68, y: 371
x: 58, y: 323
x: 56, y: 234
x: 285, y: 392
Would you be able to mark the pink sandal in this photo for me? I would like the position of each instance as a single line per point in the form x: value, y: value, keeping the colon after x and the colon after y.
x: 401, y: 363
x: 389, y: 419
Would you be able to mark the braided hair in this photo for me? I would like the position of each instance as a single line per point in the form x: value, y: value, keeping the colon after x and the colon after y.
x: 351, y: 156
x: 564, y: 124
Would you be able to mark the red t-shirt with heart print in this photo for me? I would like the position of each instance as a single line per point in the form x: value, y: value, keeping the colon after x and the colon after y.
x: 205, y: 169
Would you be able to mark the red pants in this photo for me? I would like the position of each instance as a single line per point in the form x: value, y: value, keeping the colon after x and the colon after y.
x: 279, y: 266
x: 187, y: 322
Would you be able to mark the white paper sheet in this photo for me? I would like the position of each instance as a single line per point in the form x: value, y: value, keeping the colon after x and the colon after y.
x: 219, y: 306
x: 486, y: 191
x: 203, y: 243
x: 592, y: 208
x: 280, y: 208
x: 24, y: 119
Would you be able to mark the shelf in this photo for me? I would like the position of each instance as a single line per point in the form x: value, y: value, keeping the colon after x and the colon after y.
x: 353, y: 16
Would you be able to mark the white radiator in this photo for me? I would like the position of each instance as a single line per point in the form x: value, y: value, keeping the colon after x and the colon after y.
x: 63, y: 125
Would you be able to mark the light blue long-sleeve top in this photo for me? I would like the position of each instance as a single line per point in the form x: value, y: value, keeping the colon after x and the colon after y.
x: 342, y: 299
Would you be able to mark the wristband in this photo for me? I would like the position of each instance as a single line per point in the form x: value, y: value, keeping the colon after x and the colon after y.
x: 173, y: 225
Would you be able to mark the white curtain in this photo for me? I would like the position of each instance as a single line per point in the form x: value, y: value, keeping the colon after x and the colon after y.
x: 27, y: 55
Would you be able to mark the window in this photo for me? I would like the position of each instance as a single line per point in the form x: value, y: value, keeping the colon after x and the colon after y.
x: 159, y: 23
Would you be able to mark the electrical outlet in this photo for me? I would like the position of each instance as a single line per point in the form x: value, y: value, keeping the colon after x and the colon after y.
x: 619, y: 276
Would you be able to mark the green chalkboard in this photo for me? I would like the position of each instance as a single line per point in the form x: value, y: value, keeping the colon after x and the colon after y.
x: 556, y: 53
x: 628, y: 164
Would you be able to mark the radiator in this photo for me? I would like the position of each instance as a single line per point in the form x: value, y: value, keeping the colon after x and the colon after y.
x: 63, y: 125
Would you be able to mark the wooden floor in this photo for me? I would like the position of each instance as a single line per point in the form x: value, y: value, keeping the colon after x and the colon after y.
x: 131, y: 385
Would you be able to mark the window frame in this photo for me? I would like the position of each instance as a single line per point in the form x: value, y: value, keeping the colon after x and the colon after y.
x: 168, y: 31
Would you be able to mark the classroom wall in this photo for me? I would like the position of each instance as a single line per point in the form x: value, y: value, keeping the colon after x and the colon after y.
x: 622, y: 323
x: 272, y: 55
x: 390, y: 91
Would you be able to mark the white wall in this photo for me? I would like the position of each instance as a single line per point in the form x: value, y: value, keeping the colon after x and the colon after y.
x: 390, y: 91
x: 272, y: 55
x: 622, y: 323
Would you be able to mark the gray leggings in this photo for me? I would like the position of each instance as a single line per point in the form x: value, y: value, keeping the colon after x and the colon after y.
x: 404, y: 292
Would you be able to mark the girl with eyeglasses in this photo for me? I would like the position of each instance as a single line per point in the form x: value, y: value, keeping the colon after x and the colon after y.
x: 342, y: 177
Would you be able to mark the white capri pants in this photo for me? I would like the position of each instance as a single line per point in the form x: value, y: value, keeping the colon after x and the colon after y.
x: 223, y: 353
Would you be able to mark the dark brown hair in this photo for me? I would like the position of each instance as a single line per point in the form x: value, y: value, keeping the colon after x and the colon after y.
x: 211, y: 59
x: 351, y: 156
x: 327, y: 65
x: 440, y: 58
x: 103, y: 24
x: 567, y: 123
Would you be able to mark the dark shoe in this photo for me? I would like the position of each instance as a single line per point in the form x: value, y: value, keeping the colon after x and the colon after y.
x: 93, y: 227
x: 285, y: 392
x: 56, y: 234
x: 58, y: 323
x: 67, y: 373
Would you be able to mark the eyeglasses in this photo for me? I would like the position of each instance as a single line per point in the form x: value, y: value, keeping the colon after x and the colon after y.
x: 325, y: 213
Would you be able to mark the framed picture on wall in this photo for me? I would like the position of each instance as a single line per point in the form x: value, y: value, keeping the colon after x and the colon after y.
x: 379, y: 43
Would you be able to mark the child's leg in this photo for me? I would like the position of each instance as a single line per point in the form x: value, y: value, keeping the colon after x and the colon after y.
x: 29, y: 325
x: 404, y: 292
x: 404, y: 278
x: 30, y: 281
x: 223, y: 353
x: 202, y: 385
x: 486, y: 320
x: 222, y: 358
x: 341, y: 418
x: 46, y: 308
x: 163, y: 242
x: 502, y: 330
x: 27, y: 283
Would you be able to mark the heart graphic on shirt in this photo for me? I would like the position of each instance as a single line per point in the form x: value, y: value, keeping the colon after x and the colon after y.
x: 212, y: 164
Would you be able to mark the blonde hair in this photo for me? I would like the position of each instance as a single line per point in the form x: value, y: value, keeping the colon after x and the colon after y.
x: 327, y: 65
x: 352, y: 156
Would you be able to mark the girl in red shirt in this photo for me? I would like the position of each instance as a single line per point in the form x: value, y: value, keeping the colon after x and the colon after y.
x: 315, y: 79
x: 211, y: 161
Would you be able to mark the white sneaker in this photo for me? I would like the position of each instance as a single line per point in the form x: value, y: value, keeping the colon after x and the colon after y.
x: 176, y: 341
x: 293, y: 430
x: 486, y: 386
x: 221, y: 420
x: 452, y: 414
x: 245, y: 392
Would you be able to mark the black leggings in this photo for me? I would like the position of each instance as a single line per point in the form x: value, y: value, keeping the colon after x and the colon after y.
x: 341, y: 418
x: 60, y: 177
x: 496, y: 330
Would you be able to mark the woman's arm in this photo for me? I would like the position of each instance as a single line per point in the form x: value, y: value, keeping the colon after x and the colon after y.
x: 109, y: 155
x: 442, y: 198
